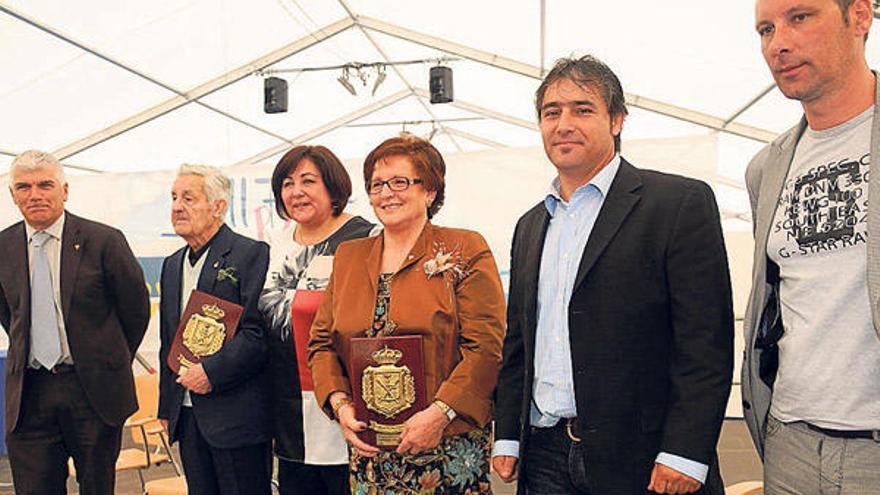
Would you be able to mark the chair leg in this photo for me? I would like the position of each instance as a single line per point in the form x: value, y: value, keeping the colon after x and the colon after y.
x: 143, y: 483
x: 170, y: 454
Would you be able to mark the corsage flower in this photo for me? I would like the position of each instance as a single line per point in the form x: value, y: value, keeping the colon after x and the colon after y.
x: 445, y: 263
x: 227, y: 273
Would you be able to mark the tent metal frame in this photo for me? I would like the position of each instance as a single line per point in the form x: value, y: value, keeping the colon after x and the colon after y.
x: 327, y: 127
x: 182, y: 97
x: 534, y: 72
x: 397, y: 71
x: 367, y: 25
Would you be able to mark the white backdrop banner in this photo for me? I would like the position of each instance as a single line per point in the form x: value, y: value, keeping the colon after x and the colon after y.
x: 486, y: 191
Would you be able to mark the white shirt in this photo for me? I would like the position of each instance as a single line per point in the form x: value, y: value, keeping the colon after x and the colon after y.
x: 189, y: 281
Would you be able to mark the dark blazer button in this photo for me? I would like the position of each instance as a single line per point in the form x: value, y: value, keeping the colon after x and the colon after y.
x: 746, y: 404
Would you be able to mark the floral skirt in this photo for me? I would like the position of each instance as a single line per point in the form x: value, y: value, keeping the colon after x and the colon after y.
x: 459, y: 465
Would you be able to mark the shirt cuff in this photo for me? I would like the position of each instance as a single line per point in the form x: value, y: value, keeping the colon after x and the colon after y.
x: 506, y: 447
x: 694, y: 469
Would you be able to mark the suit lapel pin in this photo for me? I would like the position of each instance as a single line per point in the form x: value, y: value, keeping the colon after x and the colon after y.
x: 216, y: 264
x: 76, y: 247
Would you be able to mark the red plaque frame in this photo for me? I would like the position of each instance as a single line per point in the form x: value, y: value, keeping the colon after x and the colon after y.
x: 209, y: 311
x: 388, y: 385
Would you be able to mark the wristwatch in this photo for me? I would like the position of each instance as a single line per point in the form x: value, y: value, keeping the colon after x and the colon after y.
x: 448, y: 411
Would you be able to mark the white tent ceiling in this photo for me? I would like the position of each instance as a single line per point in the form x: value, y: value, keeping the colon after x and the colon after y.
x: 128, y: 85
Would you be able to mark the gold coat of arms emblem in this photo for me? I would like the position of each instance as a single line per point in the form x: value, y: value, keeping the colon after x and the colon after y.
x: 388, y: 389
x: 204, y: 333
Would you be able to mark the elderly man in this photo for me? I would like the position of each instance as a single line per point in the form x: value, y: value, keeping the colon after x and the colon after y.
x: 619, y: 349
x: 811, y: 378
x: 74, y: 303
x: 216, y: 409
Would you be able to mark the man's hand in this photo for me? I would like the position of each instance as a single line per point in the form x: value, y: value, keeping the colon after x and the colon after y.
x: 666, y: 480
x: 195, y: 380
x: 164, y: 423
x: 423, y: 430
x: 505, y: 466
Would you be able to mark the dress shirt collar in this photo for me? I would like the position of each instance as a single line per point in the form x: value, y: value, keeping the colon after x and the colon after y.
x: 601, y: 181
x: 54, y: 230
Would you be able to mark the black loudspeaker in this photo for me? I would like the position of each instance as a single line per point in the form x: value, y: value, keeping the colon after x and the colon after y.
x: 441, y: 84
x: 274, y: 95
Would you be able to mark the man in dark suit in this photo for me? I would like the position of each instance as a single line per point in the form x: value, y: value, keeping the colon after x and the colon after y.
x: 618, y: 355
x: 216, y: 409
x: 74, y: 304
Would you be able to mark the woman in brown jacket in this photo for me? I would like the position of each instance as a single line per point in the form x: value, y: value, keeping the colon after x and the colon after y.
x: 415, y: 279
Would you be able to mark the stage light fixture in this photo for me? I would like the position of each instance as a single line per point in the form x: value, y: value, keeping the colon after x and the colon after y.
x: 346, y: 83
x: 274, y: 95
x: 380, y: 78
x: 440, y: 83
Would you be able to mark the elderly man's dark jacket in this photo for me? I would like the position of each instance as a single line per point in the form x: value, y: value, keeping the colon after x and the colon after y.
x: 234, y: 414
x: 651, y: 331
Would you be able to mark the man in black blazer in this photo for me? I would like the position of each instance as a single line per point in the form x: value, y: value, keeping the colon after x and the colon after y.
x: 217, y: 408
x: 618, y: 355
x: 75, y: 306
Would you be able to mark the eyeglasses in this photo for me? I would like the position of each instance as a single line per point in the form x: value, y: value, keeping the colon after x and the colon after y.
x: 394, y: 183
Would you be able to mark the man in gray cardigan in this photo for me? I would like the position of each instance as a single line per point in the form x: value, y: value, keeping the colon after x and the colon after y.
x: 811, y: 379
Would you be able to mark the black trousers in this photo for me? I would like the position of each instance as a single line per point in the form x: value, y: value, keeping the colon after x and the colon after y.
x: 554, y: 464
x: 297, y: 478
x: 211, y: 471
x: 56, y: 422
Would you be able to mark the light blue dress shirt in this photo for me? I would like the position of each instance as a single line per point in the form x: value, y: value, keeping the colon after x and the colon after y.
x: 570, y: 226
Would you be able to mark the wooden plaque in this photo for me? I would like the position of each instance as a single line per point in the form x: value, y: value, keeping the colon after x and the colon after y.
x: 388, y: 385
x: 206, y: 324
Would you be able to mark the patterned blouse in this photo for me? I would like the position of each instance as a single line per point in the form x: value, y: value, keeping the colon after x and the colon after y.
x: 294, y: 287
